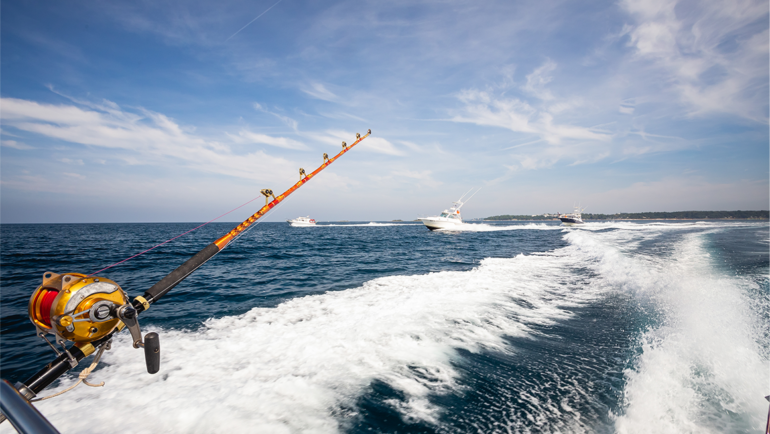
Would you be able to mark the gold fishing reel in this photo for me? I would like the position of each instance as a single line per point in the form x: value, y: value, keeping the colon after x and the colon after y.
x: 76, y: 307
x: 82, y: 309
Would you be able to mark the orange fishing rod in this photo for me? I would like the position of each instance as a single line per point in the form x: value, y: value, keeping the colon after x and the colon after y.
x: 172, y: 279
x: 225, y: 240
x: 88, y: 310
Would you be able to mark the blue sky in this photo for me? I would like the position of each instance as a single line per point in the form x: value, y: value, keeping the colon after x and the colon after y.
x: 151, y: 111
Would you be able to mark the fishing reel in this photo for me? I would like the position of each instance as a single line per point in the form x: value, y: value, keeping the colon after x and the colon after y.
x: 82, y: 309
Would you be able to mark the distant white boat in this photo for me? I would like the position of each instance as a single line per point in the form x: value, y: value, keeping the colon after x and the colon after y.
x: 450, y: 218
x: 302, y: 221
x: 575, y: 218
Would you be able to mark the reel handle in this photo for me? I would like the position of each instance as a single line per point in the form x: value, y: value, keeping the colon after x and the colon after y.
x: 128, y: 314
x: 151, y: 344
x: 152, y: 352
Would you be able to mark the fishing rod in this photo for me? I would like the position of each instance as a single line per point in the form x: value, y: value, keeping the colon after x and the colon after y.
x: 89, y: 310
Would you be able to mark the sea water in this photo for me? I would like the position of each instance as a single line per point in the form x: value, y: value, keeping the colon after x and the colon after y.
x: 387, y: 327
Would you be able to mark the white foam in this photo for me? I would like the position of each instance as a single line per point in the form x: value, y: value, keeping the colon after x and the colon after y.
x: 300, y: 367
x: 637, y: 225
x: 701, y: 369
x: 483, y: 227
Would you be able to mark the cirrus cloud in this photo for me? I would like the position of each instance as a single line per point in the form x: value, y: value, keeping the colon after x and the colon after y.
x: 280, y: 142
x: 145, y: 137
x: 714, y: 53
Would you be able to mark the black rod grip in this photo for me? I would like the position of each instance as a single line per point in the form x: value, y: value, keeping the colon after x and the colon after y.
x: 152, y: 352
x: 172, y: 279
x: 44, y: 377
x: 60, y: 365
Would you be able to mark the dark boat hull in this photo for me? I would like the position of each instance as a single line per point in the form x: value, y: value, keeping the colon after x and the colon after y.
x: 571, y: 221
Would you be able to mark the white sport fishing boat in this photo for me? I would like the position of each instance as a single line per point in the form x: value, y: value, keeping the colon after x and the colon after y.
x: 450, y: 218
x: 572, y: 219
x: 302, y: 221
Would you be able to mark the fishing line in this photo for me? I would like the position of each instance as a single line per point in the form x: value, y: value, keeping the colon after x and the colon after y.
x: 255, y: 19
x: 172, y: 239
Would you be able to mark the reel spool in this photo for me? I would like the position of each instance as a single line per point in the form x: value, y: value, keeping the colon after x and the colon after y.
x: 82, y: 309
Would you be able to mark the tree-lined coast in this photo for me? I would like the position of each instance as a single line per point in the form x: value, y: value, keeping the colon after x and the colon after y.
x: 677, y: 215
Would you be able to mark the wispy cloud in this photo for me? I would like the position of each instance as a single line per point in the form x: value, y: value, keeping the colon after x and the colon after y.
x: 518, y: 116
x: 285, y: 119
x: 432, y: 148
x: 280, y: 142
x: 714, y: 52
x: 543, y: 140
x: 16, y: 145
x: 342, y: 116
x: 371, y: 144
x: 145, y: 137
x: 319, y: 91
x: 627, y: 107
x: 537, y: 80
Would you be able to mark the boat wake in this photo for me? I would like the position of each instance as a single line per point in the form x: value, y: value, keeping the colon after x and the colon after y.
x: 700, y: 367
x: 657, y: 225
x: 304, y: 365
x: 483, y: 227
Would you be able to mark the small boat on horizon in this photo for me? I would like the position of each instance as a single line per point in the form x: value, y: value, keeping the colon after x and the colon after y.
x: 575, y: 218
x: 302, y: 221
x: 450, y: 218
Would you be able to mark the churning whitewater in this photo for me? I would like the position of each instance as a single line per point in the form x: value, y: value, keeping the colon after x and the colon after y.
x: 613, y: 327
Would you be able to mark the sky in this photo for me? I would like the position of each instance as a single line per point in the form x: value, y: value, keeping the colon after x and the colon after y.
x: 178, y: 111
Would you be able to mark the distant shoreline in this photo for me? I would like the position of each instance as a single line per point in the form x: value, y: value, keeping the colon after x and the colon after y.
x: 675, y: 215
x: 622, y: 219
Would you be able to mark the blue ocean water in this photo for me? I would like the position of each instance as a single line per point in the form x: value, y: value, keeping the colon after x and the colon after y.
x: 388, y: 327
